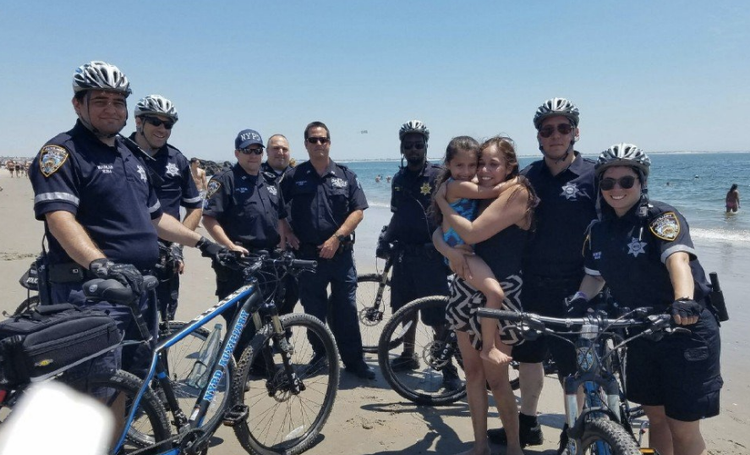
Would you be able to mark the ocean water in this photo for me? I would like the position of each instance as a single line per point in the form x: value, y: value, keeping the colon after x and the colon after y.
x: 695, y: 183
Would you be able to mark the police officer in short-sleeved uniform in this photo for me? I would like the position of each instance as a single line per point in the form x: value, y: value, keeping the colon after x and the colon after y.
x: 155, y: 117
x: 327, y: 204
x: 648, y: 260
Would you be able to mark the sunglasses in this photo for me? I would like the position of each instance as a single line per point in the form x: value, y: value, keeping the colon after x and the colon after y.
x: 413, y: 145
x: 318, y: 140
x: 563, y: 128
x: 258, y: 151
x: 159, y: 122
x: 625, y: 183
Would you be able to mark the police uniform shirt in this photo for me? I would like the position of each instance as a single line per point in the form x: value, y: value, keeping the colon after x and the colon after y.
x: 106, y: 188
x: 271, y: 172
x: 630, y: 253
x: 321, y: 204
x: 566, y: 208
x: 248, y: 207
x: 411, y: 196
x: 178, y: 188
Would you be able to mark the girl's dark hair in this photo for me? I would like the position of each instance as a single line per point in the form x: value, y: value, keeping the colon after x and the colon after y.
x: 459, y: 143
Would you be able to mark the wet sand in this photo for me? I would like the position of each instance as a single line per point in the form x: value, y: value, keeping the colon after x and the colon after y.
x: 369, y: 418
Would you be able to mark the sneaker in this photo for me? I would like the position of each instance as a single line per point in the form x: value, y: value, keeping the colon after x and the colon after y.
x: 451, y: 381
x: 529, y: 436
x: 405, y: 362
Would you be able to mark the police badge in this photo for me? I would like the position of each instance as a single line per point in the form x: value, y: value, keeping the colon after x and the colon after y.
x: 213, y: 188
x: 51, y: 158
x: 666, y: 226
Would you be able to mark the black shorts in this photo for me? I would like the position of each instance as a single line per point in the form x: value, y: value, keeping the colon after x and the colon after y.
x: 682, y: 372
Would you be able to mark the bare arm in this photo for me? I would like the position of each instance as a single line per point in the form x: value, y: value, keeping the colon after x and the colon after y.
x: 192, y: 218
x: 471, y: 190
x: 204, y: 183
x: 73, y: 237
x: 330, y: 246
x: 170, y: 229
x: 217, y: 233
x: 456, y: 256
x: 591, y: 285
x: 678, y: 265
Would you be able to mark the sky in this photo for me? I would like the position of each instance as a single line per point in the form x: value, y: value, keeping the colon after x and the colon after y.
x: 666, y: 75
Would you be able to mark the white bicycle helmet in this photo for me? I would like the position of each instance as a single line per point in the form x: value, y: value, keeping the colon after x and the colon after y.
x: 97, y: 75
x: 414, y: 126
x: 623, y: 155
x: 553, y: 107
x: 156, y: 104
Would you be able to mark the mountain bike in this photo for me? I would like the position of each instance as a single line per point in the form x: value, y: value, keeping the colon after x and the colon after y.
x: 605, y: 425
x: 288, y: 375
x: 374, y: 305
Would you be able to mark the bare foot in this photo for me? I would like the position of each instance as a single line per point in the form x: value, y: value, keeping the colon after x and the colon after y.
x: 495, y: 356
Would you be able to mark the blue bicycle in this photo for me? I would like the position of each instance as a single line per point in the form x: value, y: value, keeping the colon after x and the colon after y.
x: 288, y: 375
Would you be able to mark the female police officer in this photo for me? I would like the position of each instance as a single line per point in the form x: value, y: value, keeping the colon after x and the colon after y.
x: 643, y: 250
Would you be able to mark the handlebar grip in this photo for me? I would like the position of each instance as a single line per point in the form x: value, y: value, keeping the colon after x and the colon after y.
x: 503, y: 315
x: 304, y: 264
x: 109, y: 290
x: 150, y: 282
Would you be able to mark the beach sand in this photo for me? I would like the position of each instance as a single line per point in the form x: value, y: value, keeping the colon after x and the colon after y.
x: 369, y: 418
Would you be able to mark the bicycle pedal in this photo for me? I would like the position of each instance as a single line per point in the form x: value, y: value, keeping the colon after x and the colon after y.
x: 237, y: 414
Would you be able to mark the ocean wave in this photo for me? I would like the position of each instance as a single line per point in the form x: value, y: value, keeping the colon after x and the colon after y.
x: 379, y: 204
x: 742, y: 236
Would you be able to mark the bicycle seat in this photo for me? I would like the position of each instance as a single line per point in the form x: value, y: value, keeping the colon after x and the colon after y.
x: 113, y: 291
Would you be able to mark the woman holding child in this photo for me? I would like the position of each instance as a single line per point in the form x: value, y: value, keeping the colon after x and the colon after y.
x: 498, y: 234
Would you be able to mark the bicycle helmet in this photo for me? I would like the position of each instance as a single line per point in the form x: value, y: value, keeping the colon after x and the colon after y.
x: 623, y: 155
x: 553, y: 107
x: 97, y: 75
x: 156, y: 104
x: 414, y: 126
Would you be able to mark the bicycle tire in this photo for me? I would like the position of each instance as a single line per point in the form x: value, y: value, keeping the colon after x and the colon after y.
x: 27, y: 305
x: 372, y: 321
x: 279, y: 420
x: 180, y: 359
x: 616, y: 438
x: 151, y: 424
x: 424, y: 385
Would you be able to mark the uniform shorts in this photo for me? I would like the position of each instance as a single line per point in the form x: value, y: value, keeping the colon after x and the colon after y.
x: 417, y: 276
x: 464, y: 301
x: 681, y: 372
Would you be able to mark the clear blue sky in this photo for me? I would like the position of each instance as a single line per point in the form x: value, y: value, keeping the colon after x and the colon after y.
x: 666, y: 75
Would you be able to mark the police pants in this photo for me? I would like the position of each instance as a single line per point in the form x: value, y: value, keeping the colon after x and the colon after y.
x: 419, y: 275
x: 340, y: 308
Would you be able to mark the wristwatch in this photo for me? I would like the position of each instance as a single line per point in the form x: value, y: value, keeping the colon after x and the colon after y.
x: 341, y: 238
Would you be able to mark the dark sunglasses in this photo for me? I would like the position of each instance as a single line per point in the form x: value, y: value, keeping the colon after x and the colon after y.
x: 157, y: 122
x: 563, y: 128
x: 258, y: 151
x: 625, y: 183
x: 318, y: 140
x: 413, y: 145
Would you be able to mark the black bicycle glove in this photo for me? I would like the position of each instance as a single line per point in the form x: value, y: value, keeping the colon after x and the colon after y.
x: 126, y: 274
x: 176, y: 250
x: 577, y: 305
x: 212, y: 250
x: 686, y: 308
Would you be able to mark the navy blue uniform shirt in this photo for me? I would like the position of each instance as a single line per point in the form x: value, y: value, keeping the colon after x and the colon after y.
x: 272, y: 173
x: 178, y: 188
x: 248, y: 207
x: 630, y: 253
x: 321, y: 204
x: 567, y: 205
x: 108, y: 191
x: 411, y: 196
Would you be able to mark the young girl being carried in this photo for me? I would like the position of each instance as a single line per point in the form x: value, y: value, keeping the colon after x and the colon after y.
x: 463, y: 191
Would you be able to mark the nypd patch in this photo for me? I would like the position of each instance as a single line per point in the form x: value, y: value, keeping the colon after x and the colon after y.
x: 213, y: 188
x: 272, y: 190
x: 51, y: 158
x: 666, y: 226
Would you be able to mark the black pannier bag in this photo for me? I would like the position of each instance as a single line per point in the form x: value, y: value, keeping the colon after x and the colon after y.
x: 46, y: 341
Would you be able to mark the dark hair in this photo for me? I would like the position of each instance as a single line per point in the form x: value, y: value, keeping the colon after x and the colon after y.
x: 733, y: 188
x: 268, y: 142
x: 194, y: 160
x: 317, y: 125
x: 457, y: 144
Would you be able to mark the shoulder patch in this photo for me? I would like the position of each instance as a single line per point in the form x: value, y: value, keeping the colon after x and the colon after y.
x: 51, y: 158
x: 213, y: 187
x: 666, y: 226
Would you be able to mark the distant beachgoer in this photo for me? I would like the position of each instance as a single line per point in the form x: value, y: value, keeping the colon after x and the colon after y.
x: 733, y: 199
x: 199, y: 176
x: 388, y: 179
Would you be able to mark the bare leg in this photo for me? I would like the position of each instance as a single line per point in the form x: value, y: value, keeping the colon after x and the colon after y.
x: 476, y: 394
x: 686, y: 437
x: 499, y: 382
x: 531, y: 376
x: 659, y: 435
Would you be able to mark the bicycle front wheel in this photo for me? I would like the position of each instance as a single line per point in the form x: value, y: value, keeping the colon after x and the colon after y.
x: 373, y: 308
x: 605, y: 437
x: 286, y: 412
x: 411, y: 357
x: 27, y: 305
x: 117, y: 391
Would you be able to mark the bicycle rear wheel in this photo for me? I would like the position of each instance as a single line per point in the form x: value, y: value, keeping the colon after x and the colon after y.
x: 373, y: 315
x: 284, y: 418
x: 117, y: 391
x: 422, y: 381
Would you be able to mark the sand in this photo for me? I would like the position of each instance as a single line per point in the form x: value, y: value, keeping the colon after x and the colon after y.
x: 369, y: 418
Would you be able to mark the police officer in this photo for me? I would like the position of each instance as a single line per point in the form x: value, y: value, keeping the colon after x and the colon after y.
x: 643, y: 251
x: 552, y: 263
x: 279, y: 156
x: 155, y: 116
x: 327, y: 204
x: 418, y: 269
x: 101, y: 215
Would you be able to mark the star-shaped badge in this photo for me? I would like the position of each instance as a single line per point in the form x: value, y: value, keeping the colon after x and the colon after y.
x: 636, y: 247
x: 426, y: 189
x: 570, y: 191
x: 142, y: 173
x: 172, y: 170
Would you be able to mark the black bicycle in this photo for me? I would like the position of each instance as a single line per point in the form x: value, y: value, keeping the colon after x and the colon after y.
x: 374, y: 305
x: 606, y: 424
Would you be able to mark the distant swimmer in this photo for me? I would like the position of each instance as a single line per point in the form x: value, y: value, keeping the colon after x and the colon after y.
x: 377, y: 178
x: 733, y: 199
x: 388, y: 179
